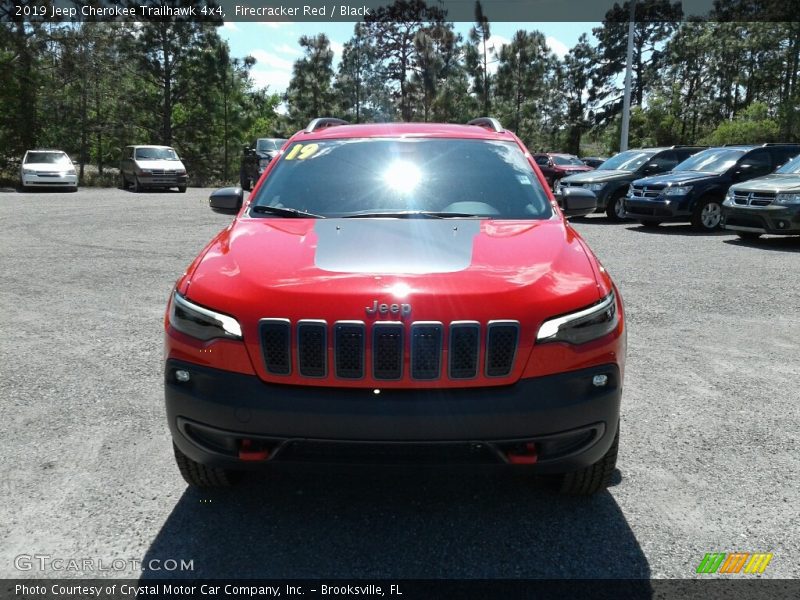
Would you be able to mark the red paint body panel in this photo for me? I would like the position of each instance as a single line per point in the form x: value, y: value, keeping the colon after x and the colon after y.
x: 527, y: 271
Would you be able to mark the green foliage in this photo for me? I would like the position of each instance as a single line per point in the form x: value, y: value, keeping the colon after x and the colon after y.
x: 754, y: 125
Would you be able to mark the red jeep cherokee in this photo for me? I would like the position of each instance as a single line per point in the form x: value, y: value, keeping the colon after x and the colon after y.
x: 397, y: 292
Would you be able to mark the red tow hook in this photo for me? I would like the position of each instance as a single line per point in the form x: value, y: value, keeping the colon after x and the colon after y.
x: 246, y: 452
x: 526, y: 455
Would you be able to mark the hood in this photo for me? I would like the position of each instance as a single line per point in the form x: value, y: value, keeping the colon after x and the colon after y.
x: 446, y: 270
x: 167, y: 165
x: 770, y: 183
x: 677, y: 178
x: 597, y: 176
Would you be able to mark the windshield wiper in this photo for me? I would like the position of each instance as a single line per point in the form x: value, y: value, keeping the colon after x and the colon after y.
x: 412, y: 214
x: 284, y: 212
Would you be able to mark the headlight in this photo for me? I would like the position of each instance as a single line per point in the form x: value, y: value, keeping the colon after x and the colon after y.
x: 728, y: 199
x: 788, y: 198
x: 678, y: 190
x: 70, y: 172
x: 594, y: 187
x: 201, y: 323
x: 28, y: 171
x: 582, y: 326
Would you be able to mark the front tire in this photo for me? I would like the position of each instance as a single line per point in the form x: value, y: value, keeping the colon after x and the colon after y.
x: 202, y: 476
x: 615, y: 209
x: 137, y: 187
x: 244, y: 180
x: 594, y: 478
x: 707, y: 215
x: 182, y: 189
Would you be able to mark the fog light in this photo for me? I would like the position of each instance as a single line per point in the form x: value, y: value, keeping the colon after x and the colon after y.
x: 182, y: 376
x: 599, y: 380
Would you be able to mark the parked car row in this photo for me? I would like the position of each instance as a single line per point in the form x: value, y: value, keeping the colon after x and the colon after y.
x: 749, y: 189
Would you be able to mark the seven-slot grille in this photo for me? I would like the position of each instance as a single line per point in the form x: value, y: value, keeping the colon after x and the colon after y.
x: 753, y: 198
x: 646, y: 191
x: 304, y: 347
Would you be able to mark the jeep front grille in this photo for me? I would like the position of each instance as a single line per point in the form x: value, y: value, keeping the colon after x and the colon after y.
x: 385, y: 349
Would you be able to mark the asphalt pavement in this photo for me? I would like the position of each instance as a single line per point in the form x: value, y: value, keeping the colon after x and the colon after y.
x: 708, y: 459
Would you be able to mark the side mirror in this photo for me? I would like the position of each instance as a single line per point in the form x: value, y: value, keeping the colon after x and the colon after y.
x: 577, y: 201
x: 226, y: 200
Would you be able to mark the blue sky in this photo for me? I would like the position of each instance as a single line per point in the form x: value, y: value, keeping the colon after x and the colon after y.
x: 275, y: 48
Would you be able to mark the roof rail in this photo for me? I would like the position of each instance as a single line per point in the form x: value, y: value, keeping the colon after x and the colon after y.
x: 323, y: 122
x: 488, y: 123
x: 781, y: 144
x: 688, y: 146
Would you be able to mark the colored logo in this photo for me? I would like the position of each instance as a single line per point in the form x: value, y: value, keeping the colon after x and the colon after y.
x: 735, y: 562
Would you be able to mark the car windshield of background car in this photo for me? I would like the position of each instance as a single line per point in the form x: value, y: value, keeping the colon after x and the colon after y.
x: 711, y: 161
x: 790, y: 168
x: 347, y: 177
x: 50, y: 158
x: 156, y: 154
x: 568, y: 160
x: 625, y: 161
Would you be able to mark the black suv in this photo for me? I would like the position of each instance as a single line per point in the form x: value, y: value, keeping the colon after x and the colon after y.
x: 255, y: 159
x: 610, y: 180
x: 695, y: 189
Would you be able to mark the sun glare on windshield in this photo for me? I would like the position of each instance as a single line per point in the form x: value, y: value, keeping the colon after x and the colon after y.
x: 402, y: 176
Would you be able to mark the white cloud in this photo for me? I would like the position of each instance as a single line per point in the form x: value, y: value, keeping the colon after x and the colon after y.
x: 264, y: 58
x: 494, y: 45
x: 337, y: 48
x: 230, y: 26
x: 558, y: 47
x: 275, y: 24
x: 277, y: 80
x: 287, y: 49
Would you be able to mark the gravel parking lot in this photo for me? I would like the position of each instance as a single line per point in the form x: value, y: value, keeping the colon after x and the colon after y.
x: 708, y: 458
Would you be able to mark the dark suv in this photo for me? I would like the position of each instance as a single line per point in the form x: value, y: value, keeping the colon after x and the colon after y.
x: 256, y: 158
x: 695, y: 189
x: 610, y: 181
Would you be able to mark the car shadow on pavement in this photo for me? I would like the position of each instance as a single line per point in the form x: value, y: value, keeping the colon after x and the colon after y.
x: 674, y: 229
x: 317, y: 521
x: 780, y: 244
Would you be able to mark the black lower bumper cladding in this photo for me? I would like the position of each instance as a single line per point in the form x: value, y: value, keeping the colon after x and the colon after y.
x: 557, y: 422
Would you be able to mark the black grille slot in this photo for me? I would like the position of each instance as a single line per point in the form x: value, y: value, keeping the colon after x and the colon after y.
x: 387, y: 351
x: 312, y: 345
x: 275, y: 335
x: 464, y: 338
x: 501, y: 348
x: 349, y: 349
x: 426, y: 350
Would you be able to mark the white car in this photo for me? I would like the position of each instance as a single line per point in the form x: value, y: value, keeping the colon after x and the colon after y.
x: 47, y: 168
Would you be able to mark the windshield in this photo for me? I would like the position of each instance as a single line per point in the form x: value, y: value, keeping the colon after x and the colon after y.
x: 713, y: 160
x: 351, y: 177
x: 567, y: 160
x: 156, y: 154
x: 269, y: 144
x: 49, y: 158
x: 791, y: 168
x: 626, y: 161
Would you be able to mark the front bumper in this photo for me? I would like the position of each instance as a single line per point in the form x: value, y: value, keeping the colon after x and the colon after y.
x: 30, y: 180
x: 167, y: 180
x: 659, y: 208
x: 772, y: 219
x: 571, y: 421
